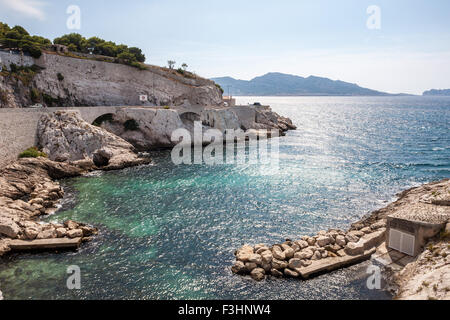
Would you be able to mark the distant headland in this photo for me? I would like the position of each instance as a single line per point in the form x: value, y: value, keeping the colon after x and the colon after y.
x: 280, y: 84
x: 436, y: 92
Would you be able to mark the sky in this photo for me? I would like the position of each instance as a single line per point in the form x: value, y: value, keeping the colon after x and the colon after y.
x: 402, y: 46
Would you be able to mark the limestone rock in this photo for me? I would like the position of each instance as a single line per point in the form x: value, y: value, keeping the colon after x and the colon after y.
x: 9, y: 228
x: 316, y: 256
x: 266, y: 257
x: 276, y: 273
x: 304, y: 254
x: 76, y: 233
x: 278, y: 253
x: 255, y: 258
x: 61, y: 232
x: 66, y: 137
x: 289, y: 253
x: 239, y: 268
x: 322, y: 241
x: 250, y: 266
x: 291, y: 273
x: 279, y: 264
x: 340, y: 241
x: 354, y: 248
x: 295, y: 263
x: 258, y: 274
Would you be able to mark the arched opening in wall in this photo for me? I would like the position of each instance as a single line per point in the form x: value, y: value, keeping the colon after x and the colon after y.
x: 189, y: 118
x: 108, y: 117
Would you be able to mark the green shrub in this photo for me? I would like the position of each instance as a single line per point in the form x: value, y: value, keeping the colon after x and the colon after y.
x: 3, y: 96
x: 60, y: 77
x: 166, y: 107
x: 49, y: 100
x: 32, y: 152
x: 131, y: 125
x: 220, y: 88
x: 13, y: 68
x: 35, y: 95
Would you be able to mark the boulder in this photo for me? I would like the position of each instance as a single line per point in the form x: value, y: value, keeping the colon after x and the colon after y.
x: 258, y: 274
x: 255, y: 258
x: 295, y: 263
x: 379, y: 224
x: 354, y: 248
x: 9, y: 228
x: 239, y: 268
x: 276, y: 273
x: 316, y: 256
x: 267, y: 257
x: 290, y: 273
x: 47, y: 234
x: 76, y: 233
x: 259, y: 246
x: 289, y: 253
x: 244, y: 253
x: 71, y: 224
x: 311, y: 241
x: 31, y: 233
x: 278, y: 253
x: 279, y: 264
x: 66, y: 137
x: 250, y: 266
x: 340, y: 241
x: 304, y: 254
x: 61, y: 232
x: 366, y: 230
x: 322, y: 241
x: 261, y: 250
x: 303, y: 244
x: 267, y: 267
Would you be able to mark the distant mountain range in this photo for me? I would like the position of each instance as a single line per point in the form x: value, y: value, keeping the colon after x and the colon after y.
x: 435, y: 92
x: 280, y: 84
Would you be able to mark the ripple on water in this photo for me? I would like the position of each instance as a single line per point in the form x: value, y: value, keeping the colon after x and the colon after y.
x: 169, y: 232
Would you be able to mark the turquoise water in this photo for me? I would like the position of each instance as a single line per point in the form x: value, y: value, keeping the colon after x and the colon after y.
x: 169, y: 232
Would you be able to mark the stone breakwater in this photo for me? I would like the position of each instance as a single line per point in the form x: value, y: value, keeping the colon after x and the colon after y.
x: 426, y: 276
x: 309, y: 255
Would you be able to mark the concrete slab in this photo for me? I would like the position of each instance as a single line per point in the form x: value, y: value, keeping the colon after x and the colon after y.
x: 331, y: 264
x: 45, y: 244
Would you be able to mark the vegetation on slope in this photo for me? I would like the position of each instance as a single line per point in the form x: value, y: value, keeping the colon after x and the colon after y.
x: 19, y: 38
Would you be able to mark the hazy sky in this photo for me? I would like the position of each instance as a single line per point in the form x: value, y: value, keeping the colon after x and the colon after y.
x: 247, y: 38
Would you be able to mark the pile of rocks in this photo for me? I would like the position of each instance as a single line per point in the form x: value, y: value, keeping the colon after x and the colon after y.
x: 27, y: 192
x: 287, y: 259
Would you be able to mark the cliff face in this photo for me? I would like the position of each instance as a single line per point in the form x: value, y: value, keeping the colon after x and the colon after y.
x: 64, y: 81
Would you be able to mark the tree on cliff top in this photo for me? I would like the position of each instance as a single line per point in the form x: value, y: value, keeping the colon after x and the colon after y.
x: 18, y: 37
x: 77, y: 43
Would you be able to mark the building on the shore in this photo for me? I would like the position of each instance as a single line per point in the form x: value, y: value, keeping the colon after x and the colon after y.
x: 229, y: 100
x: 409, y: 231
x: 59, y: 48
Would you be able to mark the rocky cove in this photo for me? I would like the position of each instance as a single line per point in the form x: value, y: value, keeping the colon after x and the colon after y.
x: 29, y: 187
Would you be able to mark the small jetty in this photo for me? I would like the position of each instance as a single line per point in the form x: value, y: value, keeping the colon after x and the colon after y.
x: 45, y: 244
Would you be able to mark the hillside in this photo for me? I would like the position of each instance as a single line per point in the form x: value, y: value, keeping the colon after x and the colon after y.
x: 279, y: 84
x: 59, y: 80
x: 435, y: 92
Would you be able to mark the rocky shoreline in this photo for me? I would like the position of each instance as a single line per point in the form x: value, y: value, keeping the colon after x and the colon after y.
x: 333, y: 249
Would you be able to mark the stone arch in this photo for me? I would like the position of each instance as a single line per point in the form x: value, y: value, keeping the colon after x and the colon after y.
x: 188, y: 119
x: 103, y: 118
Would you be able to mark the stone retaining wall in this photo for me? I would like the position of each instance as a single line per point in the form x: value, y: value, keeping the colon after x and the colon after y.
x: 18, y: 128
